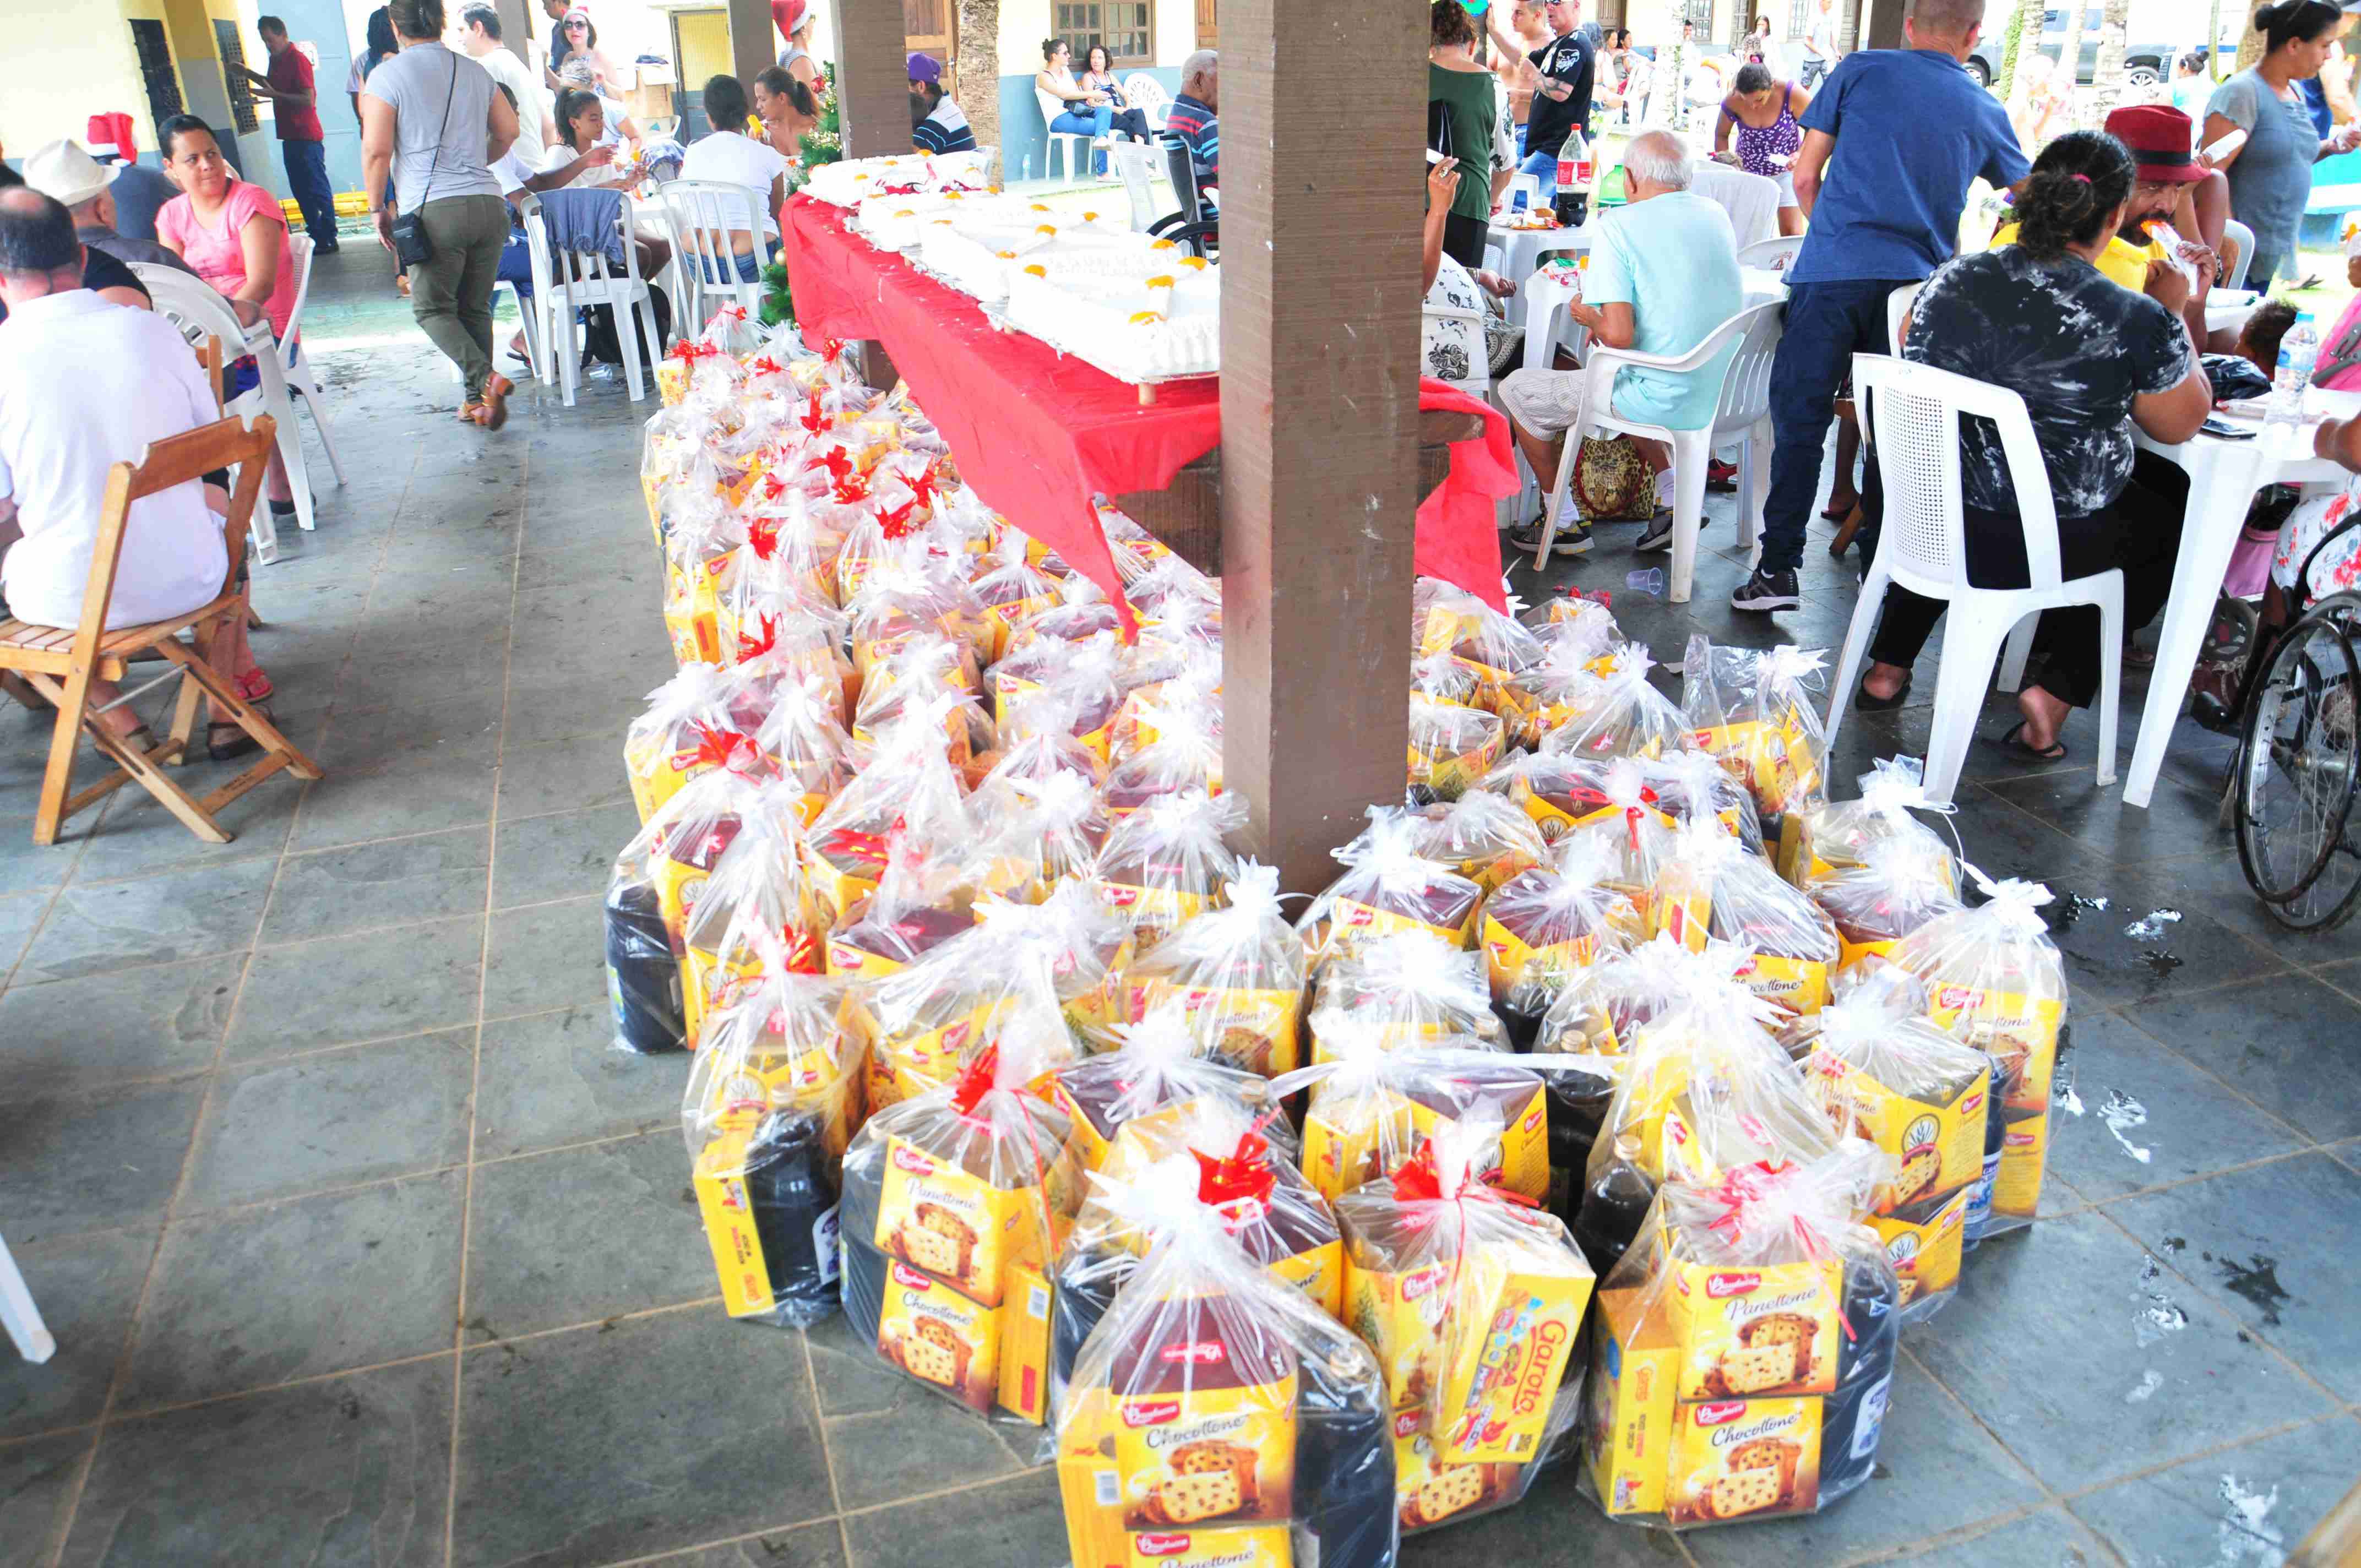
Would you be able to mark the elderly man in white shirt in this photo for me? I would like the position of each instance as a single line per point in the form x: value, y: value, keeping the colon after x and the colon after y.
x: 84, y: 385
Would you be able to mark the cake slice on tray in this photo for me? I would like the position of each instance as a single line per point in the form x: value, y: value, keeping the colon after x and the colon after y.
x: 1139, y: 328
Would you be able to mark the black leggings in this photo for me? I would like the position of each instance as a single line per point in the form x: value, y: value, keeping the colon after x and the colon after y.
x: 1463, y: 239
x: 2139, y: 531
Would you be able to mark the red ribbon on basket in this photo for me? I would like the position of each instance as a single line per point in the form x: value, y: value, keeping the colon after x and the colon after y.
x: 832, y: 349
x: 896, y: 523
x: 724, y: 749
x: 764, y: 639
x: 1747, y: 1184
x: 848, y: 484
x: 688, y: 350
x: 975, y: 1080
x: 1240, y: 1178
x: 812, y: 419
x: 922, y: 488
x: 763, y: 365
x: 1419, y: 1182
x: 763, y: 534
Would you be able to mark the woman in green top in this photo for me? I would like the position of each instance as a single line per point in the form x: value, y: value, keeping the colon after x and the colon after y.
x: 1461, y: 92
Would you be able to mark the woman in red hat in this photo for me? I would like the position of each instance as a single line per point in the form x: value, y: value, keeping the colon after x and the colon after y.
x: 794, y: 20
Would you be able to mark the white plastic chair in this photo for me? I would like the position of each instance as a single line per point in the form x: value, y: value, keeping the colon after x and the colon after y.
x: 1147, y: 95
x: 1546, y: 298
x: 1741, y: 412
x: 702, y: 213
x: 191, y: 304
x: 2238, y: 251
x: 1137, y: 163
x: 296, y: 364
x: 1751, y: 200
x: 578, y: 279
x: 19, y: 1316
x: 1771, y: 255
x: 1911, y: 414
x: 1066, y: 141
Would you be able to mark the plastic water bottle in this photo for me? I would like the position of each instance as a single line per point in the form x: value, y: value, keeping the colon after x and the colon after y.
x: 2297, y: 351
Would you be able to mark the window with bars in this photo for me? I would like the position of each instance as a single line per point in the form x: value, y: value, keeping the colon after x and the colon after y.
x: 155, y: 51
x: 1127, y: 29
x: 241, y: 91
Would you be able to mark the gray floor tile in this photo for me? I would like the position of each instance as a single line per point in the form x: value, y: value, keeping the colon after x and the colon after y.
x: 25, y: 866
x: 541, y: 859
x: 2106, y: 965
x: 2217, y: 886
x: 2052, y: 1538
x: 1936, y: 1470
x: 912, y: 1445
x: 393, y: 676
x: 2291, y: 1044
x: 562, y: 709
x: 87, y: 1288
x: 425, y: 795
x: 2043, y: 1343
x: 552, y: 955
x: 2250, y: 1504
x: 563, y: 776
x: 807, y: 1546
x: 92, y: 1163
x: 852, y: 1378
x: 2270, y: 1245
x: 100, y: 1031
x: 335, y: 1119
x: 36, y: 1478
x: 664, y: 1433
x: 19, y: 916
x: 2179, y: 819
x: 332, y: 893
x: 263, y: 1296
x: 554, y: 1078
x: 582, y: 1233
x: 348, y: 1469
x: 1553, y: 1526
x: 137, y: 837
x: 2141, y: 1117
x: 373, y: 986
x: 179, y: 915
x: 447, y: 726
x: 1017, y: 1521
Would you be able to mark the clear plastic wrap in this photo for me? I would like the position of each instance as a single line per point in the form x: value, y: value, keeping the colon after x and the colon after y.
x: 1158, y: 1075
x: 1492, y: 646
x: 1889, y: 1075
x: 1563, y: 791
x: 1744, y: 1352
x: 909, y: 596
x: 771, y: 1107
x: 1013, y: 590
x: 1702, y: 1088
x: 1565, y: 687
x: 1759, y: 711
x: 1547, y: 924
x: 921, y: 687
x: 754, y: 912
x: 1043, y: 831
x: 1216, y: 1415
x: 1238, y: 971
x: 1605, y: 1004
x: 955, y: 1202
x: 1439, y: 677
x: 1483, y: 837
x: 1370, y: 1106
x: 1177, y: 750
x: 1388, y: 886
x: 924, y: 1021
x: 700, y: 548
x: 1037, y: 744
x: 684, y: 731
x: 1995, y: 980
x: 1168, y: 861
x: 657, y: 880
x: 1900, y: 883
x: 1836, y: 835
x: 1745, y: 902
x: 1162, y: 676
x: 806, y: 742
x: 1473, y: 1301
x: 1405, y: 990
x: 925, y: 895
x: 1451, y: 748
x: 1631, y: 718
x: 1691, y: 785
x: 910, y: 784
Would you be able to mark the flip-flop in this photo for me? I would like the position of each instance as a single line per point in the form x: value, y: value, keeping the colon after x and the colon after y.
x: 1837, y: 513
x: 2013, y: 744
x: 1866, y: 701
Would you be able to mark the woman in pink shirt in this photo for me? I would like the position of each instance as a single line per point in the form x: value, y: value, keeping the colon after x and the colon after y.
x: 233, y: 236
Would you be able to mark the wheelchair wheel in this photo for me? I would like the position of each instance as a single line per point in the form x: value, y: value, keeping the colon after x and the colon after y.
x: 2298, y: 765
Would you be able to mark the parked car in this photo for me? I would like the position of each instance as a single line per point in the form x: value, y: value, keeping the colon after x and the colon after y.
x: 2144, y: 64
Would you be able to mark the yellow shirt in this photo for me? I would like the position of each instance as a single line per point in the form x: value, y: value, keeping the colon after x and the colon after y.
x: 2122, y: 263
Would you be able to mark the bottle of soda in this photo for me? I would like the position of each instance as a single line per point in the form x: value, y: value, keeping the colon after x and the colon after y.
x: 1572, y: 200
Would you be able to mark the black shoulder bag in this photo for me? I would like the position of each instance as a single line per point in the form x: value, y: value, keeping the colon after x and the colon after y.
x: 411, y: 246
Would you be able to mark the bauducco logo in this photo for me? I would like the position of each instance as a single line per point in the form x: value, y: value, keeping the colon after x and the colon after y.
x: 914, y: 1162
x: 1151, y: 1413
x: 1720, y: 1412
x: 1204, y: 1353
x: 1955, y: 996
x: 1407, y: 1423
x: 1968, y: 1106
x: 1160, y: 1545
x: 904, y: 1275
x: 1421, y: 1282
x: 1719, y: 1286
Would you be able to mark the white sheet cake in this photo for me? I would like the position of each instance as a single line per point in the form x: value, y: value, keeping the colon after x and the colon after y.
x: 1135, y: 329
x: 979, y: 259
x: 847, y: 182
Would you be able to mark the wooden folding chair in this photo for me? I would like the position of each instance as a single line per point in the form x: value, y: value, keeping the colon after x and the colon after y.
x: 61, y: 663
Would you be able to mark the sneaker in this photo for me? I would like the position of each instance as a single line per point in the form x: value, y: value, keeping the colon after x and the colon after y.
x: 1767, y: 590
x: 1573, y: 539
x: 1720, y: 476
x: 1658, y: 535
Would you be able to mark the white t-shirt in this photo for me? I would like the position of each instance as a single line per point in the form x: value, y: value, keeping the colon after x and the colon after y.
x: 513, y: 75
x: 512, y: 169
x: 736, y: 159
x: 557, y: 154
x: 85, y: 385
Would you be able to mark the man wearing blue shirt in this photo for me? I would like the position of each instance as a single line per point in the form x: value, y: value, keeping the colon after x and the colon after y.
x: 1891, y: 143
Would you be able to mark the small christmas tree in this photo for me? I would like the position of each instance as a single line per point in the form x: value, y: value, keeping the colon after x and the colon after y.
x: 824, y: 143
x: 778, y: 306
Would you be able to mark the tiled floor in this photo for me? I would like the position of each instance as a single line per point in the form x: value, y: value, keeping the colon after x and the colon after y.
x: 361, y: 1248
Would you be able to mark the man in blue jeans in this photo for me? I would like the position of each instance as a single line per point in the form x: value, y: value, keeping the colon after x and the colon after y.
x: 296, y: 113
x: 1891, y: 142
x: 1565, y: 69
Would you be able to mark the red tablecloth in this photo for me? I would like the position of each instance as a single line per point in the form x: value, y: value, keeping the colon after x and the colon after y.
x: 1037, y: 434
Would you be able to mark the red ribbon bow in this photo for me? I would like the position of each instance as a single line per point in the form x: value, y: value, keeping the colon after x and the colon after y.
x: 724, y: 749
x: 690, y: 350
x: 763, y: 365
x: 832, y: 349
x: 812, y: 419
x: 922, y: 488
x: 1418, y: 1181
x: 975, y: 1080
x: 1237, y: 1182
x: 897, y: 525
x: 762, y: 642
x: 763, y: 534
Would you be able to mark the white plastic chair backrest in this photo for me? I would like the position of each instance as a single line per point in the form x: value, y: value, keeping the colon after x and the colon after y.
x: 2238, y: 253
x: 1746, y: 380
x: 706, y: 210
x: 1771, y: 254
x: 577, y: 268
x: 1897, y: 310
x: 1147, y: 95
x: 299, y: 250
x: 536, y: 245
x: 1531, y: 184
x: 1751, y: 200
x: 1136, y: 161
x: 1912, y: 423
x: 193, y: 305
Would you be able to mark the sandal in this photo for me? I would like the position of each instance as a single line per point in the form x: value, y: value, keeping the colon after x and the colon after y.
x: 227, y: 738
x: 1835, y: 513
x: 2013, y: 744
x: 254, y: 686
x: 471, y: 411
x: 1866, y: 701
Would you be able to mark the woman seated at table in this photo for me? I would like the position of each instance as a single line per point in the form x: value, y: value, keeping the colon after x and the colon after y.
x: 728, y: 155
x: 1089, y: 111
x: 233, y: 236
x: 1452, y: 344
x: 2092, y: 361
x: 1760, y: 117
x: 582, y: 146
